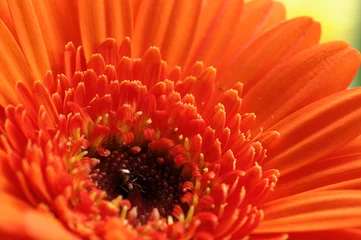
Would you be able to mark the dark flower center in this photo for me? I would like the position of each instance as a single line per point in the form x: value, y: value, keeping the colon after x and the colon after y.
x: 148, y: 179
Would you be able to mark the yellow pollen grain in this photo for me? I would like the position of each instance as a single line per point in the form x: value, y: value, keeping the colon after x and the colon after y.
x: 102, y: 195
x: 106, y: 119
x: 201, y: 160
x: 170, y: 220
x: 180, y: 137
x: 195, y: 200
x: 99, y: 119
x: 123, y: 214
x: 197, y: 185
x: 81, y: 184
x: 149, y: 121
x: 205, y: 170
x: 186, y: 143
x: 78, y: 157
x: 92, y: 196
x: 76, y: 134
x: 190, y: 214
x: 116, y: 201
x: 98, y: 140
x: 74, y: 171
x: 221, y: 209
x: 181, y: 218
x: 139, y: 113
x: 207, y: 191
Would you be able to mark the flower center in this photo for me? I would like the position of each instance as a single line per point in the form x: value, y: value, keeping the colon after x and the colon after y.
x: 148, y: 179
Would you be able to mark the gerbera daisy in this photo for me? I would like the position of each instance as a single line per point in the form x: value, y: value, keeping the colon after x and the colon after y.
x: 175, y: 120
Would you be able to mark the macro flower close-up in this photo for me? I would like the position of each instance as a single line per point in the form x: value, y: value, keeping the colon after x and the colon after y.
x: 175, y: 119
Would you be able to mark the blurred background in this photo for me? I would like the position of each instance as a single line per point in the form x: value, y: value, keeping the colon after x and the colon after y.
x: 340, y: 20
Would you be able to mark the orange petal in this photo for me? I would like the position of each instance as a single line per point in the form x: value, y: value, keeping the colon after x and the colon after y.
x: 51, y: 25
x: 18, y: 220
x: 308, y: 76
x: 257, y: 16
x: 92, y: 25
x: 67, y: 11
x: 353, y: 147
x: 216, y: 26
x: 316, y: 130
x: 176, y: 42
x: 323, y: 173
x: 119, y: 19
x: 30, y: 36
x: 13, y: 65
x: 6, y: 16
x: 7, y: 91
x: 312, y: 211
x: 150, y: 25
x: 349, y: 234
x: 277, y: 44
x: 7, y: 180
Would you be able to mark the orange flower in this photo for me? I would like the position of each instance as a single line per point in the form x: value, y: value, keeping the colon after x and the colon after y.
x: 132, y: 133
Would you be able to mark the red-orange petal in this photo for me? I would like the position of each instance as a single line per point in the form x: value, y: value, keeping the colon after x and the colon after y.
x: 320, y: 174
x: 262, y: 55
x: 312, y: 211
x: 308, y: 76
x: 18, y: 220
x: 316, y: 130
x: 214, y: 29
x: 150, y: 25
x: 257, y: 16
x: 349, y: 234
x: 176, y: 42
x: 119, y: 19
x: 32, y: 42
x: 92, y: 25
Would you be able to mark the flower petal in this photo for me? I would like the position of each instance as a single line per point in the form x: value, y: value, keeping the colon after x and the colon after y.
x: 257, y: 16
x: 53, y: 31
x: 92, y: 25
x: 119, y: 19
x: 321, y: 174
x: 316, y: 130
x: 13, y: 66
x: 176, y: 42
x: 18, y: 220
x: 216, y: 25
x: 308, y: 76
x: 150, y: 24
x: 6, y: 16
x: 261, y: 56
x: 338, y: 170
x: 30, y: 36
x: 312, y: 211
x: 348, y: 234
